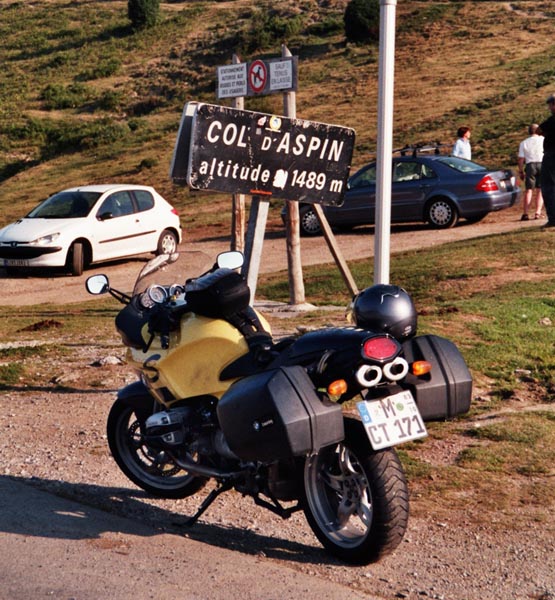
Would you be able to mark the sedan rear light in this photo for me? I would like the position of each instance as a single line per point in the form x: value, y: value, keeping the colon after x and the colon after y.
x: 487, y: 184
x: 174, y: 211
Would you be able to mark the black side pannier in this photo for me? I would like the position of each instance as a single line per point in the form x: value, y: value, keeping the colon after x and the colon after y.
x: 217, y: 295
x: 447, y: 391
x: 277, y: 414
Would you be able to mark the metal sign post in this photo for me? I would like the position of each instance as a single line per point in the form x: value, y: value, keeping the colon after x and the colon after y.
x: 384, y: 146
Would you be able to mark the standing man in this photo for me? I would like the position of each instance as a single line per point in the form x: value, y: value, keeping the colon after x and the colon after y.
x: 547, y: 129
x: 530, y: 154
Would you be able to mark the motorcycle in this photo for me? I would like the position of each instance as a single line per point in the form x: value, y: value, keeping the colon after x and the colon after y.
x: 306, y: 422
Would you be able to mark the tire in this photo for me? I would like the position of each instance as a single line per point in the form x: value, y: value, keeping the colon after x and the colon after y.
x: 308, y: 221
x: 167, y: 244
x: 356, y: 499
x: 442, y: 213
x: 150, y: 469
x: 76, y: 259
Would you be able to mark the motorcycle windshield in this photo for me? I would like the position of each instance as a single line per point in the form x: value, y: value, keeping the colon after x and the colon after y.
x: 170, y: 269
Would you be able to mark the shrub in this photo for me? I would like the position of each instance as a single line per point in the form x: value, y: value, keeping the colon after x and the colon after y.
x: 143, y: 13
x: 362, y: 21
x: 57, y: 96
x: 269, y: 28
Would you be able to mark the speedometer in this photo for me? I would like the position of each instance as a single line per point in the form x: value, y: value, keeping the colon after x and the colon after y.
x: 158, y: 294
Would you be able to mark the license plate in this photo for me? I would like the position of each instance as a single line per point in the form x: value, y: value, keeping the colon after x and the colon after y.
x: 16, y: 262
x: 392, y: 420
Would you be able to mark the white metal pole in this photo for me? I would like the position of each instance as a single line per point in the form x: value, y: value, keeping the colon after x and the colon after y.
x: 386, y: 75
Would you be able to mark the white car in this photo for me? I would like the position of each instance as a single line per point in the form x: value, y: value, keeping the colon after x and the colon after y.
x: 90, y: 224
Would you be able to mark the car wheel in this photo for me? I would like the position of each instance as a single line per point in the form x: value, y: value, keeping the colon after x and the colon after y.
x: 76, y: 259
x: 167, y: 244
x: 308, y: 221
x: 442, y: 213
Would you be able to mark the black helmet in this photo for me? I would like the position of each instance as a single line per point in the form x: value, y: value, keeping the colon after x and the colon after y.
x: 385, y: 308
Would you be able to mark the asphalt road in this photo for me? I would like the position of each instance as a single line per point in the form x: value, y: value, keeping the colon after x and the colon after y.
x: 56, y: 548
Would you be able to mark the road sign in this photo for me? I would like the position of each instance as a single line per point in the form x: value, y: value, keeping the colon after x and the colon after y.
x: 257, y: 78
x: 258, y: 75
x: 246, y: 152
x: 232, y: 80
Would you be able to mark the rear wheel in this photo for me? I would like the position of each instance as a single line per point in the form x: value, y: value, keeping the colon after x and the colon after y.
x: 442, y: 213
x: 149, y: 468
x: 356, y: 499
x: 167, y: 244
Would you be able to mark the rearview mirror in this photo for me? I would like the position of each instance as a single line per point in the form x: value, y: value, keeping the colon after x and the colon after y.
x: 97, y: 284
x: 231, y: 260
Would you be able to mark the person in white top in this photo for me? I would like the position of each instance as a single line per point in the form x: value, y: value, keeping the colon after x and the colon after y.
x: 530, y: 154
x: 462, y: 147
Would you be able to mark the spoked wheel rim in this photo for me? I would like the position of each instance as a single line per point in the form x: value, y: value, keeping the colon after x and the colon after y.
x: 339, y: 496
x: 442, y: 213
x: 168, y: 243
x: 152, y: 466
x: 309, y: 222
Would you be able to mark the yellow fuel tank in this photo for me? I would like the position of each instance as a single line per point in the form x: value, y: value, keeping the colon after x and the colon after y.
x: 198, y: 352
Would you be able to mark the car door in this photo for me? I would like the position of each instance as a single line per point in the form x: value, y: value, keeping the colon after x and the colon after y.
x: 359, y: 205
x: 118, y: 230
x: 408, y: 190
x: 150, y: 219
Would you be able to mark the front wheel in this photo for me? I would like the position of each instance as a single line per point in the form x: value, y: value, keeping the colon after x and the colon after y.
x: 149, y: 468
x: 356, y: 499
x: 76, y: 259
x: 309, y: 223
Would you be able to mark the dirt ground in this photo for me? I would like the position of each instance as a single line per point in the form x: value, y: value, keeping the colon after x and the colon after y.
x: 55, y: 440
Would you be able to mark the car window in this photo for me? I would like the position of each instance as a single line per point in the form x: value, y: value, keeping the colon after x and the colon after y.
x: 407, y: 171
x: 65, y: 205
x: 428, y: 172
x: 118, y: 204
x: 363, y: 178
x: 460, y: 164
x: 144, y: 199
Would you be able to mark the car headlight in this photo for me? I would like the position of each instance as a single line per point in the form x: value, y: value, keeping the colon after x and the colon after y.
x: 45, y: 240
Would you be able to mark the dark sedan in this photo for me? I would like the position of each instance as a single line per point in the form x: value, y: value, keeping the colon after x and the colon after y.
x: 436, y: 189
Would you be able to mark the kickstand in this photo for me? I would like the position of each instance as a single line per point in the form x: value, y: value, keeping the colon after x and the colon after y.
x: 224, y: 487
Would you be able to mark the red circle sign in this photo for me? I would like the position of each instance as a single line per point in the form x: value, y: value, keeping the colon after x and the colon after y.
x: 258, y: 74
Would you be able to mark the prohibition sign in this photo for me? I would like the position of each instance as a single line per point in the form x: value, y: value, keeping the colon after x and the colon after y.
x: 258, y: 74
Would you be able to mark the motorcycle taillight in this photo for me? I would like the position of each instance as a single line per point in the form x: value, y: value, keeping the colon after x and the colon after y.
x: 380, y: 348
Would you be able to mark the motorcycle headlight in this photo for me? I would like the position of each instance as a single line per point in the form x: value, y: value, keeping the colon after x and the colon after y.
x: 46, y: 240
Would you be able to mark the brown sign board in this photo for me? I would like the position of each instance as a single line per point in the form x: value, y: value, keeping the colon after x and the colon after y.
x: 244, y: 152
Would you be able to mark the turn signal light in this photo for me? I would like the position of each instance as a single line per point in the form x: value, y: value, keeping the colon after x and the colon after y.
x: 337, y: 387
x: 421, y: 367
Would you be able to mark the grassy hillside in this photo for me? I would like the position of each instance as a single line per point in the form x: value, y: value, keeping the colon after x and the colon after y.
x: 85, y: 99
